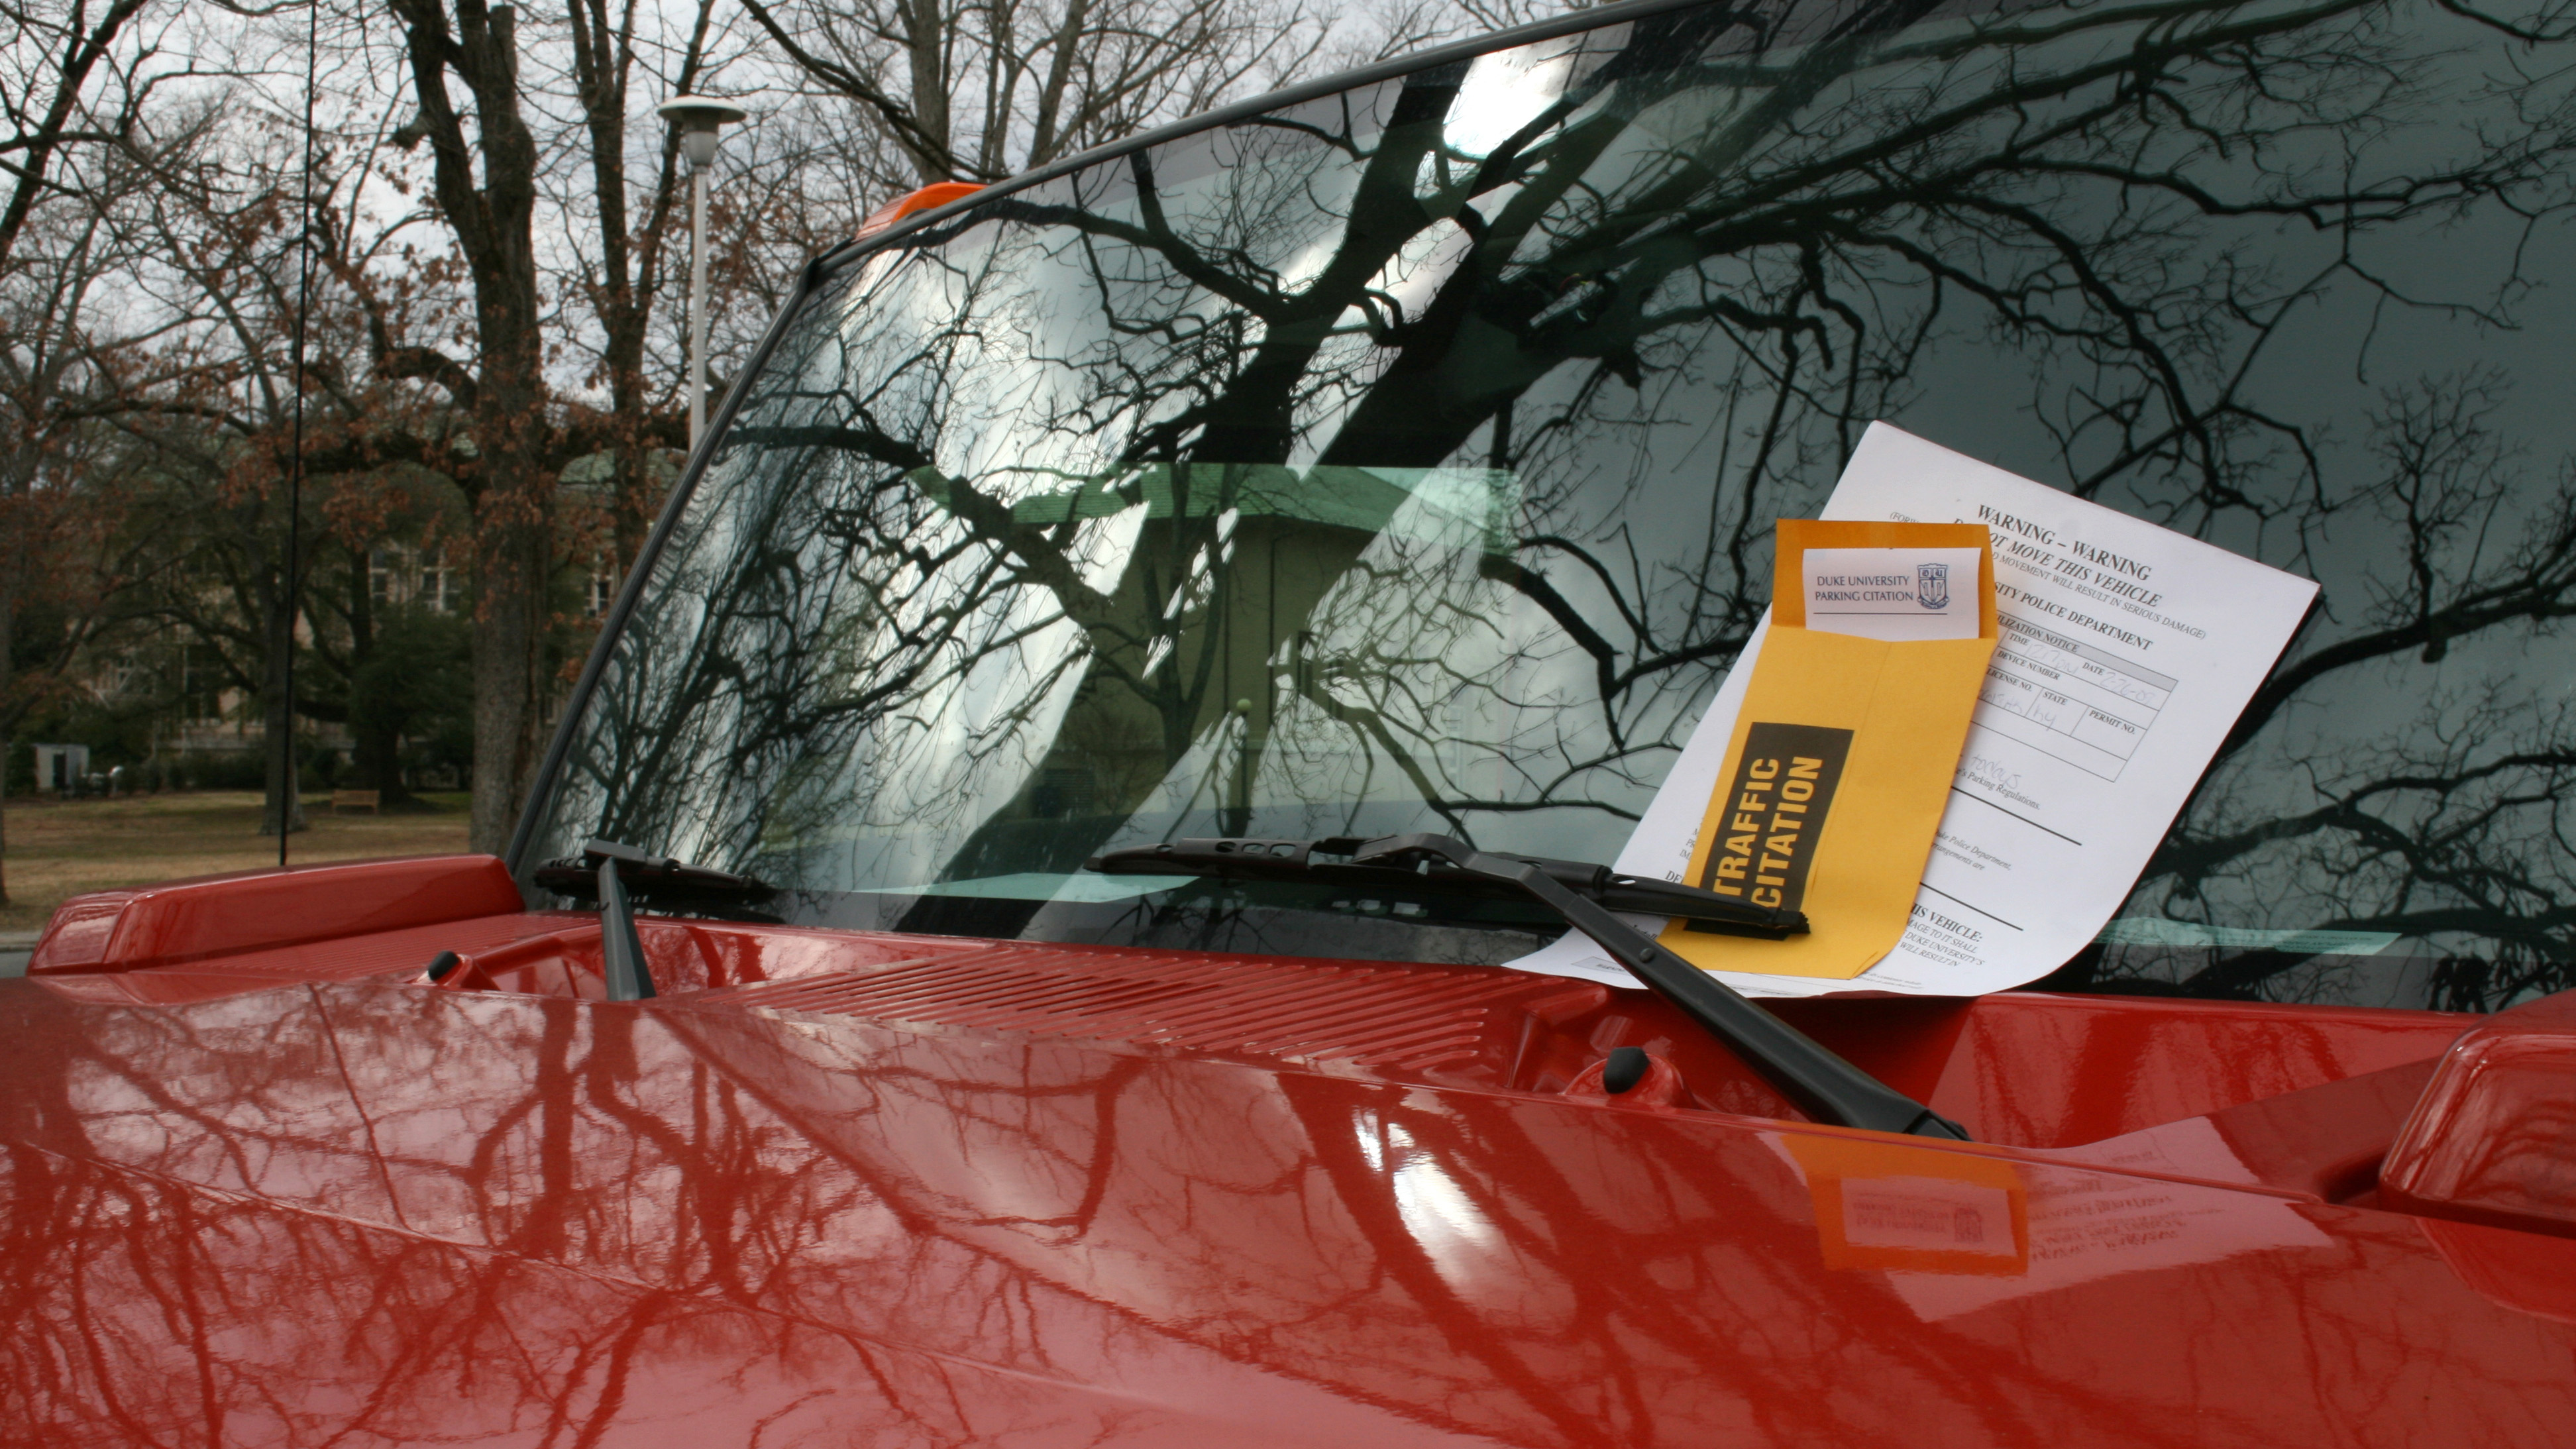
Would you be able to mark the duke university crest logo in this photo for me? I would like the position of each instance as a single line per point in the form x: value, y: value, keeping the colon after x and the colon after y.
x: 1932, y: 585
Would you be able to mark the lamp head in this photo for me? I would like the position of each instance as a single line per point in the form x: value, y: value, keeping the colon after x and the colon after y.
x: 696, y: 118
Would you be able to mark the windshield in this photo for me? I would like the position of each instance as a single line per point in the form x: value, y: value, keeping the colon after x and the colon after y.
x: 1406, y: 459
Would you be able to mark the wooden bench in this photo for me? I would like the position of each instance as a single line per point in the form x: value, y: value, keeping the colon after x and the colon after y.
x: 367, y: 800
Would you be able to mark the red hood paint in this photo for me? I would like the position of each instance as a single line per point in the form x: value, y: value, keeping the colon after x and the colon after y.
x: 290, y: 1194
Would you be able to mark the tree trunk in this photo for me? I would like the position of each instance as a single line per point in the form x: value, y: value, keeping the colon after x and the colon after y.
x: 491, y: 216
x: 513, y: 549
x: 378, y: 755
x: 375, y: 733
x: 929, y: 33
x: 283, y: 812
x: 8, y: 719
x: 513, y: 555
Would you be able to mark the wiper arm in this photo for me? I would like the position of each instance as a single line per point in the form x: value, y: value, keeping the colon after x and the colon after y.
x: 1818, y: 1080
x: 621, y: 951
x: 644, y: 873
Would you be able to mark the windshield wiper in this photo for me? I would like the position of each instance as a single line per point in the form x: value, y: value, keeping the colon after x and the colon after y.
x: 1811, y: 1075
x: 1244, y: 859
x: 644, y: 873
x: 604, y: 873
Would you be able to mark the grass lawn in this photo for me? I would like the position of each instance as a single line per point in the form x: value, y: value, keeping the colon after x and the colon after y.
x: 59, y: 848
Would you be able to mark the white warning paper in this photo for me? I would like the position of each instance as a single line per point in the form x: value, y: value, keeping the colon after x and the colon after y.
x: 2127, y: 651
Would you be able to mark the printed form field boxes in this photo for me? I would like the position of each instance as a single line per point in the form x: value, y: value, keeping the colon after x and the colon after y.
x: 2067, y: 698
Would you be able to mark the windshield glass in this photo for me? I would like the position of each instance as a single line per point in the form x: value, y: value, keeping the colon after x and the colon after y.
x: 1407, y: 459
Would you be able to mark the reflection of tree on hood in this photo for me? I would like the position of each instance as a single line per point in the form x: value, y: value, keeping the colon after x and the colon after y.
x: 367, y: 1212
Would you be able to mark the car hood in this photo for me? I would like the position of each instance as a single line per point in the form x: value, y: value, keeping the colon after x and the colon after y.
x: 367, y: 1212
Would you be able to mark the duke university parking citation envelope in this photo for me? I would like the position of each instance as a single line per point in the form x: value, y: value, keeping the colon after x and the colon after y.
x: 2122, y: 654
x: 1838, y: 767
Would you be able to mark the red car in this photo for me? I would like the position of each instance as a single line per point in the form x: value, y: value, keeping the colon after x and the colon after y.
x: 1361, y: 492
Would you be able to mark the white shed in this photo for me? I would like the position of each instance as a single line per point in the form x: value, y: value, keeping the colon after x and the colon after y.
x: 60, y: 767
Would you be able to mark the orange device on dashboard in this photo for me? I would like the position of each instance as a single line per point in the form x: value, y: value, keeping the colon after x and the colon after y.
x: 1851, y: 727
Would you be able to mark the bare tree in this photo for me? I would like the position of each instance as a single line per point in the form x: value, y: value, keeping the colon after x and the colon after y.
x: 59, y: 566
x: 484, y: 162
x: 623, y: 282
x: 490, y: 174
x: 48, y: 103
x: 45, y: 96
x: 213, y: 403
x: 558, y: 358
x: 962, y: 91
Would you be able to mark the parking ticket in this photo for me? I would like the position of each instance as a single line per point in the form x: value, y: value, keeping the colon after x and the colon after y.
x: 2127, y: 651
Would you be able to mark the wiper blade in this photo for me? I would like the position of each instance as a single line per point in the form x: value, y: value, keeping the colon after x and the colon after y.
x: 1811, y: 1075
x: 644, y: 873
x: 1251, y: 859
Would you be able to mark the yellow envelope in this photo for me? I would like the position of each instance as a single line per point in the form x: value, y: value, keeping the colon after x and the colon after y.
x: 1838, y: 770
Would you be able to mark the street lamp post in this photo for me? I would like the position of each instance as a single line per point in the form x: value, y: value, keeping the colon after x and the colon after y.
x: 696, y: 118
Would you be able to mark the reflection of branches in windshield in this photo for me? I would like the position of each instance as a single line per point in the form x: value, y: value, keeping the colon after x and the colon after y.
x: 1665, y: 298
x: 2454, y: 829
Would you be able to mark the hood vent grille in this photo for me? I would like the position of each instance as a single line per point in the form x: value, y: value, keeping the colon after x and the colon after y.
x: 1407, y: 1018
